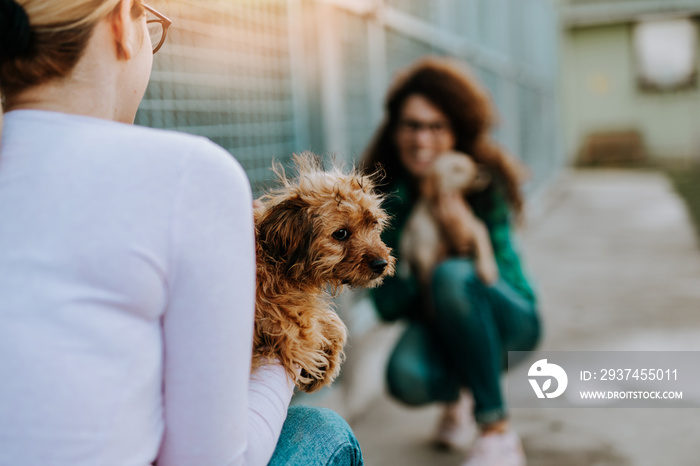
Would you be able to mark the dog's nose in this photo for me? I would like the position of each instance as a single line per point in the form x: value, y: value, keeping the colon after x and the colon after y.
x: 378, y: 265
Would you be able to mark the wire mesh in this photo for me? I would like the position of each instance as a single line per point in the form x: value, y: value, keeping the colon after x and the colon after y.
x: 355, y: 50
x: 224, y: 73
x: 228, y: 71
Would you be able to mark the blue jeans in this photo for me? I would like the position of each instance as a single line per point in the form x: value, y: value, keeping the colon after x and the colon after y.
x: 466, y: 344
x: 316, y: 437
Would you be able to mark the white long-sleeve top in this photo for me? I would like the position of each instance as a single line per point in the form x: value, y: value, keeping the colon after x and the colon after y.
x: 127, y: 275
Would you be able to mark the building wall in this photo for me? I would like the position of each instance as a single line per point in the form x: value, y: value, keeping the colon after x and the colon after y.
x: 600, y: 94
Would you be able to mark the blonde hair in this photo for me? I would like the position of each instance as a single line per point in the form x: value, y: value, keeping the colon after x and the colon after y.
x: 55, y: 16
x: 59, y: 31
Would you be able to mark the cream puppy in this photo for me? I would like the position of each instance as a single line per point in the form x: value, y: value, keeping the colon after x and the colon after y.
x: 423, y: 243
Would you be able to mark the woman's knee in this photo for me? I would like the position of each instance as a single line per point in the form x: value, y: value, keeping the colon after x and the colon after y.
x: 407, y: 380
x: 318, y: 436
x: 454, y: 284
x: 532, y: 335
x: 415, y: 370
x: 527, y: 344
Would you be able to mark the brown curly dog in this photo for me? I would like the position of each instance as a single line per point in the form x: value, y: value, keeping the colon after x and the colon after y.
x: 314, y: 234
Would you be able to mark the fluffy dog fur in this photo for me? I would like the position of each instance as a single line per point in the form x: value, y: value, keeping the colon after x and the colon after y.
x: 423, y: 243
x: 315, y: 233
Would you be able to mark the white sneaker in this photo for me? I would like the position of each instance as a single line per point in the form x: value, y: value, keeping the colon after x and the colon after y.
x: 496, y: 450
x: 456, y: 428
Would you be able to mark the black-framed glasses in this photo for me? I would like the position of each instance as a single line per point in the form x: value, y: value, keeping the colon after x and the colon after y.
x: 157, y: 27
x: 437, y: 128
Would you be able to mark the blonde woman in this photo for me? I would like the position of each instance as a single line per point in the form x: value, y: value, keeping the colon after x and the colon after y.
x: 127, y: 267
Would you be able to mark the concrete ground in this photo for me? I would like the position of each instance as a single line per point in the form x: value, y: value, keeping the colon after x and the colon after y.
x: 618, y: 268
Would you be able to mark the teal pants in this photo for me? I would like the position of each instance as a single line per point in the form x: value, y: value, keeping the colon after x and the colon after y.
x: 465, y: 344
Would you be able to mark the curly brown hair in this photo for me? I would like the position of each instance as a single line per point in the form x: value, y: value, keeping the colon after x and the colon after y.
x: 469, y: 109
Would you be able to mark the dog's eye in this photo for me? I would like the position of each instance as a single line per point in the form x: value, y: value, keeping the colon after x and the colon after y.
x: 341, y: 235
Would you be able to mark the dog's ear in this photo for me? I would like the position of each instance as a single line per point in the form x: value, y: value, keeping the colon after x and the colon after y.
x: 284, y: 232
x: 481, y: 180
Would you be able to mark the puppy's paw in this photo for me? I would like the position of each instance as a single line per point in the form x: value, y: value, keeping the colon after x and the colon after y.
x: 322, y: 373
x: 309, y: 384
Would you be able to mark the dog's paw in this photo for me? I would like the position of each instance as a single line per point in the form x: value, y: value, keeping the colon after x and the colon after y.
x: 309, y: 384
x: 323, y: 372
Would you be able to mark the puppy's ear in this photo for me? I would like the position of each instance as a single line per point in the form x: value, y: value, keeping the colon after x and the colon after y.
x: 482, y: 178
x: 284, y: 232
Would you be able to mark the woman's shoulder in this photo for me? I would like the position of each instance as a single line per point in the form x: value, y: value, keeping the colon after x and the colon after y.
x: 161, y: 148
x: 101, y: 136
x: 185, y: 156
x: 169, y: 143
x: 158, y: 152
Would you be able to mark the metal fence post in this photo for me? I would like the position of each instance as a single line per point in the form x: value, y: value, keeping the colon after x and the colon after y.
x: 332, y: 81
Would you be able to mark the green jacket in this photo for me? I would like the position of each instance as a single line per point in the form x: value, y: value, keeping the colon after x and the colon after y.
x: 399, y: 296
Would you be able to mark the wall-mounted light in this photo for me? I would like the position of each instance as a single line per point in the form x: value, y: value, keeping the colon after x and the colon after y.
x: 666, y: 53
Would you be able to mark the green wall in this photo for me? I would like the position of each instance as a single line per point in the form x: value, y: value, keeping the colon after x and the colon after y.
x: 600, y: 94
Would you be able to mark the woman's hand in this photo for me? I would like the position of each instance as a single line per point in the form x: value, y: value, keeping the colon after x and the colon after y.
x: 466, y: 234
x: 258, y: 205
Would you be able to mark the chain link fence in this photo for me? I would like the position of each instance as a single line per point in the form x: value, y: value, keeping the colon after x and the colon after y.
x: 224, y: 73
x: 267, y: 78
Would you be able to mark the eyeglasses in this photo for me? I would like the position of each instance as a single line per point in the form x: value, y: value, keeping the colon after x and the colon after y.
x: 157, y: 27
x: 437, y: 128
